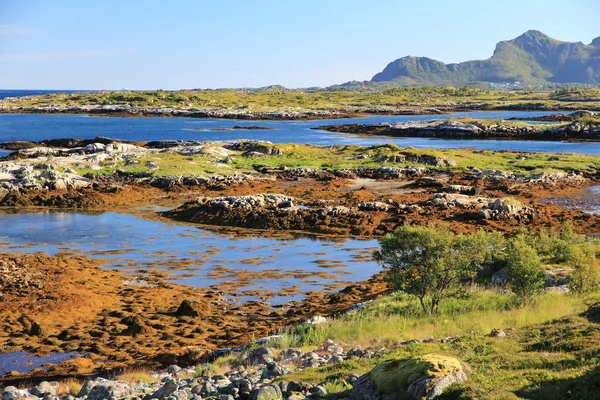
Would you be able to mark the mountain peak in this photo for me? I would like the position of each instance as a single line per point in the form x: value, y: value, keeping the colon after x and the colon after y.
x: 533, y: 58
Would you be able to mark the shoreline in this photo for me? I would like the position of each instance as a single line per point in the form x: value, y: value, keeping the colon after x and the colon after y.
x: 277, y: 115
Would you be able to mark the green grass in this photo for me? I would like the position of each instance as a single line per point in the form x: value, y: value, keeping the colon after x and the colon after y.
x: 550, y: 351
x: 341, y: 157
x: 322, y: 99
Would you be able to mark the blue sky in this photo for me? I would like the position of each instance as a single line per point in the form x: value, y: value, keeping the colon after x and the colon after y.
x: 108, y: 44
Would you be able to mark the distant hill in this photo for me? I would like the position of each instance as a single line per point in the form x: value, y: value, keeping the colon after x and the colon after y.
x: 532, y: 58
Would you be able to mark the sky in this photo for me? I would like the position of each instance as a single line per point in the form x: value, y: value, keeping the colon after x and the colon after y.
x: 184, y: 44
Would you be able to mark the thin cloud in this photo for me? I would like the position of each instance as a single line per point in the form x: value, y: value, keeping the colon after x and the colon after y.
x: 63, y: 55
x: 17, y: 30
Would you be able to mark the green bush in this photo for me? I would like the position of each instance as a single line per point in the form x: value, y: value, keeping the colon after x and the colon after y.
x: 523, y: 267
x: 432, y: 263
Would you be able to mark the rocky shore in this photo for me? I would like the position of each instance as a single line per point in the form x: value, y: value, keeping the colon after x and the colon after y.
x: 472, y: 130
x: 243, y: 113
x: 261, y: 375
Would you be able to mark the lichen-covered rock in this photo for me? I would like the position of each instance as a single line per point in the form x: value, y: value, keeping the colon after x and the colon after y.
x: 269, y: 392
x: 110, y: 390
x: 420, y: 377
x: 507, y: 208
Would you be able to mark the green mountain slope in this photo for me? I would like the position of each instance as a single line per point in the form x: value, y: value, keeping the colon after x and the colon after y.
x: 533, y: 58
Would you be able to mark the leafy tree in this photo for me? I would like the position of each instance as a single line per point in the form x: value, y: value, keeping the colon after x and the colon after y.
x: 432, y: 263
x: 584, y: 274
x: 523, y: 267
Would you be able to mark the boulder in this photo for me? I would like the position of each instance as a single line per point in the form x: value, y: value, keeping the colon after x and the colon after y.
x: 44, y: 388
x: 424, y: 377
x: 110, y: 390
x: 169, y: 387
x: 268, y: 392
x: 260, y: 355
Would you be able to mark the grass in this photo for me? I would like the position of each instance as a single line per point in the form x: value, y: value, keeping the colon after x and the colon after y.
x: 138, y: 377
x: 342, y: 157
x: 69, y: 387
x: 281, y: 99
x: 550, y: 350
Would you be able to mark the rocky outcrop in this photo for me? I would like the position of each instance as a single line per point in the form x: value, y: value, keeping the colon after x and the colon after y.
x: 506, y: 208
x: 424, y: 377
x: 279, y: 212
x: 471, y: 130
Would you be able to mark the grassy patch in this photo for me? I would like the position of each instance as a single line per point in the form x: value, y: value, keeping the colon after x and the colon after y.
x: 342, y: 157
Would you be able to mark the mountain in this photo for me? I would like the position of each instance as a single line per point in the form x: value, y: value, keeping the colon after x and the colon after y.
x: 532, y: 58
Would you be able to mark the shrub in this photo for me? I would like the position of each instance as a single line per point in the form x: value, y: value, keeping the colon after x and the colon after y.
x: 432, y: 263
x: 523, y: 268
x: 584, y: 274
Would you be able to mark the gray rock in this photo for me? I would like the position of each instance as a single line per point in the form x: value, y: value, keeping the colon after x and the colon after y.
x: 260, y: 355
x: 110, y: 390
x: 44, y: 388
x: 272, y: 370
x: 169, y: 387
x: 431, y: 388
x: 268, y: 392
x: 497, y: 333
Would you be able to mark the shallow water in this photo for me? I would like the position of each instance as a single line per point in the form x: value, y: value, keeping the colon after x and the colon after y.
x: 214, y: 258
x: 39, y: 127
x: 21, y: 361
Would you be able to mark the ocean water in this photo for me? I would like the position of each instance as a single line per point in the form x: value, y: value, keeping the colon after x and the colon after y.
x: 210, y: 257
x: 35, y: 127
x: 19, y: 93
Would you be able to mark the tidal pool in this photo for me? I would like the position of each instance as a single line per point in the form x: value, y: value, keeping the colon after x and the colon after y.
x: 246, y: 265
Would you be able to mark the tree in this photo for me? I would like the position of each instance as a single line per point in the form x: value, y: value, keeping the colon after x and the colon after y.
x: 584, y: 274
x: 523, y: 267
x: 432, y: 263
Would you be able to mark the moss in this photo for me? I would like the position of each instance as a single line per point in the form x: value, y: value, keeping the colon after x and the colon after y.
x: 396, y: 376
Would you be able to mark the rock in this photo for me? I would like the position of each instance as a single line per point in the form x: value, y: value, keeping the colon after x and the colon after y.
x: 169, y: 387
x: 423, y: 377
x: 110, y: 390
x: 12, y: 393
x: 173, y: 369
x: 497, y: 333
x: 272, y: 370
x: 290, y: 355
x: 329, y: 346
x: 268, y: 392
x: 87, y: 387
x: 44, y: 388
x: 499, y: 278
x: 317, y: 319
x: 260, y: 355
x: 318, y: 391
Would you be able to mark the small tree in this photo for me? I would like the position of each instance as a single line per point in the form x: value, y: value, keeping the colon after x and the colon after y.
x: 432, y: 263
x: 523, y: 267
x: 584, y: 274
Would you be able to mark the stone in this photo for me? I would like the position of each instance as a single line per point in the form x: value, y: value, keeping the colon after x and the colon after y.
x: 173, y: 369
x: 169, y: 387
x: 260, y: 355
x: 318, y: 391
x: 110, y: 390
x: 497, y: 333
x: 424, y: 377
x: 268, y: 392
x: 317, y: 319
x: 272, y: 370
x: 44, y: 388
